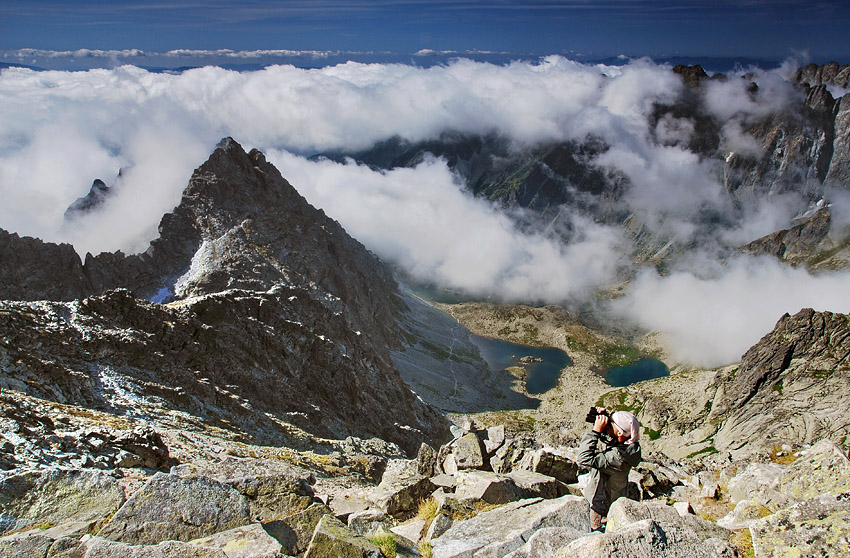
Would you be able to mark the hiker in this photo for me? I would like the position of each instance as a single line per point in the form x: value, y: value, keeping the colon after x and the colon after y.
x: 610, y: 450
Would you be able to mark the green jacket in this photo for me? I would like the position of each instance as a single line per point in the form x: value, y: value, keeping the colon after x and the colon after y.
x: 609, y: 463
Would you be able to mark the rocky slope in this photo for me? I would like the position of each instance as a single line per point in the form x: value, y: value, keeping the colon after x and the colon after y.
x: 277, y: 319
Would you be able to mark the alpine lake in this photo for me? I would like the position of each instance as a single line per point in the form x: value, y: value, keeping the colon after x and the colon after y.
x: 543, y: 365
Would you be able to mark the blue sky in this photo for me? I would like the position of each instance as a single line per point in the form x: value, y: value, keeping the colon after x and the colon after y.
x: 773, y: 29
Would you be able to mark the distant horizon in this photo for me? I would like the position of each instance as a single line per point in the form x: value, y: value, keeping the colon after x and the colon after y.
x: 180, y: 59
x: 579, y: 29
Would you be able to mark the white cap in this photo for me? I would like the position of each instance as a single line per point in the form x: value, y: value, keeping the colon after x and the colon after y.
x: 628, y: 423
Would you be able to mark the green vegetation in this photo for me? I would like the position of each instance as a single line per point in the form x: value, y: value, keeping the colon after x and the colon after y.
x: 610, y: 355
x: 425, y: 550
x: 386, y: 543
x: 653, y: 434
x: 524, y: 334
x: 777, y: 387
x: 707, y: 451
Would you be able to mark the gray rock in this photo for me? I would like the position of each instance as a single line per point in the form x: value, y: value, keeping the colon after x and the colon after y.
x: 648, y: 539
x: 551, y: 464
x: 839, y: 167
x: 488, y: 487
x: 816, y: 527
x: 683, y: 508
x: 546, y: 542
x: 746, y: 513
x: 368, y: 522
x: 625, y: 512
x: 447, y: 482
x: 439, y: 525
x: 172, y: 508
x: 272, y: 489
x: 401, y: 495
x: 97, y: 547
x: 411, y: 530
x: 536, y: 484
x: 825, y: 469
x: 507, y: 457
x: 495, y: 438
x: 56, y: 497
x: 249, y: 541
x: 426, y: 461
x: 295, y: 531
x: 755, y: 479
x: 332, y: 538
x: 468, y: 452
x: 30, y: 544
x: 502, y: 530
x: 789, y: 387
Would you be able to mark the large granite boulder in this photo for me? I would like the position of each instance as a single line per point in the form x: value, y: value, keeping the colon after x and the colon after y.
x: 488, y: 487
x: 295, y: 531
x: 173, y: 508
x: 273, y: 490
x: 502, y: 530
x: 648, y: 539
x: 825, y: 469
x: 56, y: 497
x: 817, y: 527
x: 551, y: 464
x: 249, y: 541
x: 401, y: 489
x: 625, y: 512
x: 333, y: 538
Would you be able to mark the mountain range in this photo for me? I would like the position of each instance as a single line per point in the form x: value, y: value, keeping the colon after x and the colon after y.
x: 255, y: 345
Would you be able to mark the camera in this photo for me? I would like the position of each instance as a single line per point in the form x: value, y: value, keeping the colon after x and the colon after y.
x: 592, y: 414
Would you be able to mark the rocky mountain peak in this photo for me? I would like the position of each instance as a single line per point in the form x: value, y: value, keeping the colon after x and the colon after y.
x: 691, y: 75
x: 831, y: 73
x: 97, y: 196
x: 252, y: 308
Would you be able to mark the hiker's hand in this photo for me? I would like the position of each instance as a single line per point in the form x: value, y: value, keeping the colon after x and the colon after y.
x: 600, y: 423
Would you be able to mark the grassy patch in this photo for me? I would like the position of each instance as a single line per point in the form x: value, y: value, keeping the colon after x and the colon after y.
x: 386, y: 544
x: 743, y: 541
x: 427, y: 509
x: 612, y: 355
x: 425, y: 550
x: 653, y: 434
x: 778, y: 455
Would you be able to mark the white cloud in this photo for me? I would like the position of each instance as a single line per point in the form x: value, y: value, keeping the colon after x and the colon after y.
x: 713, y: 321
x: 61, y: 130
x: 421, y: 220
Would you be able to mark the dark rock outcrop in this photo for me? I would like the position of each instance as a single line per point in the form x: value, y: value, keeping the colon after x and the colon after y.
x: 97, y: 196
x: 798, y: 243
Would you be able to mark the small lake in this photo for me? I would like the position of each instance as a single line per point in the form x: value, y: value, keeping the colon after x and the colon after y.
x: 643, y: 369
x: 543, y: 364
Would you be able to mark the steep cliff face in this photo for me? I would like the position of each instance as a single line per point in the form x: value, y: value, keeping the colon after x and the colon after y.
x: 791, y: 385
x: 272, y: 316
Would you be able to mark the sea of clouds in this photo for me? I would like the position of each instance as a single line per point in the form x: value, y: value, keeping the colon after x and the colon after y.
x: 60, y: 130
